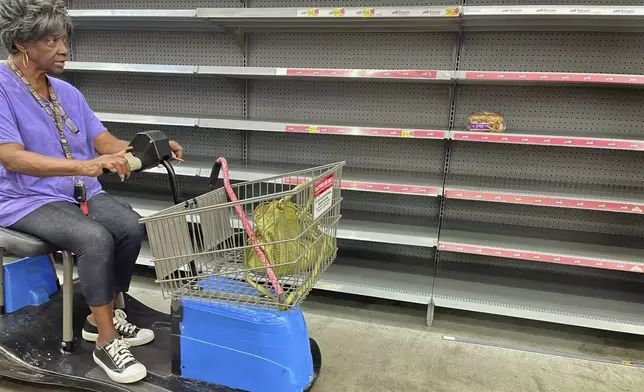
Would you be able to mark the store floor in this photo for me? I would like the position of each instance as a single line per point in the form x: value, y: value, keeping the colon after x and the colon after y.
x: 378, y: 346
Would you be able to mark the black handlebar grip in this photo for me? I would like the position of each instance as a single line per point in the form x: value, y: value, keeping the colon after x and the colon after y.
x: 214, y: 174
x: 106, y: 171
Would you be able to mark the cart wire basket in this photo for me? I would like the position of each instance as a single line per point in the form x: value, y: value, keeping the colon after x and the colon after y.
x: 260, y: 244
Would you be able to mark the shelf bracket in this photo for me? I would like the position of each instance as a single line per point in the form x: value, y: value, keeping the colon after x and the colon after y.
x: 239, y: 35
x: 430, y: 313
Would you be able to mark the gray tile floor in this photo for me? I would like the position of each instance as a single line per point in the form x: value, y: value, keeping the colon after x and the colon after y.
x: 376, y: 346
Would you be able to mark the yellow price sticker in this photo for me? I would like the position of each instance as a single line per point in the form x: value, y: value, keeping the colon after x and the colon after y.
x: 405, y: 134
x: 453, y: 11
x: 314, y: 129
x: 312, y: 12
x: 337, y: 12
x: 368, y: 12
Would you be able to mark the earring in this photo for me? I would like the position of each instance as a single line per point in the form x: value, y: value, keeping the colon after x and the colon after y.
x: 25, y: 59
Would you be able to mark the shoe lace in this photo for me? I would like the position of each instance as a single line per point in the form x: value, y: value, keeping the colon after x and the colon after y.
x: 121, y: 324
x: 119, y: 350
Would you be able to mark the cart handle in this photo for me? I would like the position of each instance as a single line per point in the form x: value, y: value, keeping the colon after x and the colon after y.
x: 174, y: 183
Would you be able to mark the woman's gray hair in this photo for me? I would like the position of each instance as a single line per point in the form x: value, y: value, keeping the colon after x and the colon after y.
x: 25, y: 21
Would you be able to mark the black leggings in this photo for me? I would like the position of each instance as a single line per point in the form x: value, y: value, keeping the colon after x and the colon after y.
x: 106, y: 244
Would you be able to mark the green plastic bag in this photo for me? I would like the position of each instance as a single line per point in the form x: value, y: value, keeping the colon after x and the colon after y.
x: 290, y: 238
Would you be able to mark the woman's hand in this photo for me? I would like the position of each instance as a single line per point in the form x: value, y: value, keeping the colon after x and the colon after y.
x: 177, y: 150
x: 115, y: 163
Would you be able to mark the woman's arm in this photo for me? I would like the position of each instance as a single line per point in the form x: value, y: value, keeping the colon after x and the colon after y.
x: 106, y: 143
x: 14, y: 158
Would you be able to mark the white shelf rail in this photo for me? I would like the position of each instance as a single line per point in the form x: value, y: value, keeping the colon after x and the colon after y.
x: 383, y: 75
x: 630, y: 201
x: 400, y: 19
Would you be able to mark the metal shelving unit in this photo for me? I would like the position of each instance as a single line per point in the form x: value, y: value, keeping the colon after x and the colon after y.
x: 543, y: 221
x: 589, y: 302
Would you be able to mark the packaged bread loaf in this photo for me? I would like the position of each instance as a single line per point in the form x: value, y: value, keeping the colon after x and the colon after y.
x: 486, y: 122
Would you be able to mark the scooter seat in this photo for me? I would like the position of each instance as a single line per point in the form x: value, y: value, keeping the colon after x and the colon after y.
x: 24, y: 245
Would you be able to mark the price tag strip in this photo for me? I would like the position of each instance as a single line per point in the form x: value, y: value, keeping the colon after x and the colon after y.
x: 561, y: 141
x: 419, y: 74
x: 554, y: 10
x: 363, y: 131
x: 376, y: 187
x: 548, y: 201
x: 552, y: 77
x: 379, y: 12
x: 447, y: 246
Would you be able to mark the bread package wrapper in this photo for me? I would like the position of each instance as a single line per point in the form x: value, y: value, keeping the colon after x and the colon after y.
x: 486, y: 122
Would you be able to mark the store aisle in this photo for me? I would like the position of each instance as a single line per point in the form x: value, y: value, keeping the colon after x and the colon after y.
x: 383, y: 347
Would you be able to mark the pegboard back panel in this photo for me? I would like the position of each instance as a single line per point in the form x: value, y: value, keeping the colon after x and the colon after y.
x: 545, y: 163
x: 619, y: 53
x: 554, y: 2
x: 367, y: 154
x: 166, y: 95
x: 544, y: 217
x: 163, y: 4
x: 390, y: 204
x: 525, y: 265
x: 390, y: 253
x: 577, y: 111
x: 203, y: 143
x: 155, y: 47
x: 377, y: 51
x: 421, y: 105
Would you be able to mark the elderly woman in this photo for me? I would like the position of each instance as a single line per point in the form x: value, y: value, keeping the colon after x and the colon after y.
x: 52, y: 149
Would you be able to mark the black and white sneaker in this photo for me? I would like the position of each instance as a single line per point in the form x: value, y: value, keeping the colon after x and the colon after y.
x: 119, y: 363
x: 132, y: 334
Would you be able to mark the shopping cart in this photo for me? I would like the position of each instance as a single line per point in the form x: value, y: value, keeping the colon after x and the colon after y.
x: 250, y: 253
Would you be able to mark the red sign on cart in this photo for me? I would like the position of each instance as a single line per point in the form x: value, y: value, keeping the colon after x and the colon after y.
x: 323, y: 196
x: 548, y: 201
x: 540, y: 257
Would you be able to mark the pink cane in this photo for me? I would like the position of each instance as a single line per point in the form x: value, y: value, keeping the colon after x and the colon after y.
x: 249, y: 231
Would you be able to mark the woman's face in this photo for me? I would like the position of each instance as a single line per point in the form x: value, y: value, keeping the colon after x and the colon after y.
x: 49, y: 54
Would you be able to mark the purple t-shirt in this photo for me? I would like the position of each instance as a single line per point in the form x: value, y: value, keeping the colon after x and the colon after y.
x: 23, y: 121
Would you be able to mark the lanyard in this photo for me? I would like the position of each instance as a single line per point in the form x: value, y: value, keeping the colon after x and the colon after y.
x: 58, y: 113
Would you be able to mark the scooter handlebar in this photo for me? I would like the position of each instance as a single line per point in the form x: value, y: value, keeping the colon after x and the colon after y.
x: 134, y: 162
x: 214, y: 175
